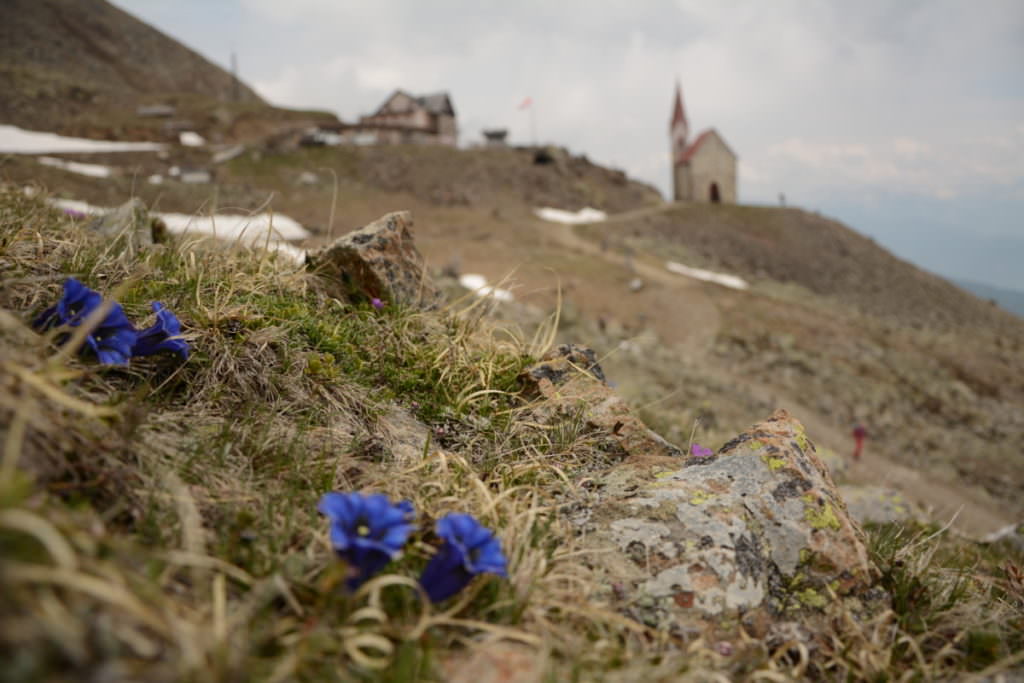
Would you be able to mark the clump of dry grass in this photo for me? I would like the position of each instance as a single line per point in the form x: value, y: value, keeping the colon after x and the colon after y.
x: 159, y: 521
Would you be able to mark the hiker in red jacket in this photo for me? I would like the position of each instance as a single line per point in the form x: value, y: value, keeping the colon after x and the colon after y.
x: 859, y: 434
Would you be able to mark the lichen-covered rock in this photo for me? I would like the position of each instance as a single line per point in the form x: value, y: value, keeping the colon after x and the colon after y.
x: 131, y: 221
x: 494, y: 662
x: 760, y: 524
x: 571, y: 381
x: 378, y: 261
x: 879, y: 505
x: 564, y: 360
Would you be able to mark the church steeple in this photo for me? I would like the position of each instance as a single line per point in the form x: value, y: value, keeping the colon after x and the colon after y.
x: 679, y: 129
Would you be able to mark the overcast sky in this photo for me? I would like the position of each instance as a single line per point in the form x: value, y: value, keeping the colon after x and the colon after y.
x: 904, y: 118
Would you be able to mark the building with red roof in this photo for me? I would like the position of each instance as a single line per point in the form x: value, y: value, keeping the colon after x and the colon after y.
x: 703, y: 170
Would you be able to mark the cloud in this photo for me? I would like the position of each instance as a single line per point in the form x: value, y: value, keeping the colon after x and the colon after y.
x: 972, y: 165
x: 831, y: 103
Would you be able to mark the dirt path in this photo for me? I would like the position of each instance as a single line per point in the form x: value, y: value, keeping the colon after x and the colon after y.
x: 702, y: 316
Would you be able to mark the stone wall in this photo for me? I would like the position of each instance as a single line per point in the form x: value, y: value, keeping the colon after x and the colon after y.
x: 713, y: 162
x: 447, y: 132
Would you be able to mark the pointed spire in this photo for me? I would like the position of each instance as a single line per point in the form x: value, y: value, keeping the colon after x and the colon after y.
x: 678, y: 113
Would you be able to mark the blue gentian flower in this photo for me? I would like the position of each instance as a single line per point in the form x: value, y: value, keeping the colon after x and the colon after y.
x: 469, y: 549
x: 111, y: 340
x: 366, y: 531
x: 164, y: 335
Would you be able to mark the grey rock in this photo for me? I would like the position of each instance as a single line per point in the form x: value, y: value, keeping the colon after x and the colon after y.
x: 379, y: 260
x: 131, y: 221
x: 759, y: 525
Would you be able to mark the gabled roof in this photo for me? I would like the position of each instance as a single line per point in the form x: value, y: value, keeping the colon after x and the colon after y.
x: 699, y: 140
x: 678, y: 113
x: 437, y: 103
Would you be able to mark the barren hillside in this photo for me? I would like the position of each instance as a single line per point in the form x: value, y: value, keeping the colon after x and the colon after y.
x: 82, y: 67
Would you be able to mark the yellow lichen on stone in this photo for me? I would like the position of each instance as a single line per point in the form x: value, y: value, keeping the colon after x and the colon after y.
x: 700, y: 496
x: 801, y: 439
x: 811, y: 598
x: 774, y: 463
x: 755, y: 444
x: 820, y: 516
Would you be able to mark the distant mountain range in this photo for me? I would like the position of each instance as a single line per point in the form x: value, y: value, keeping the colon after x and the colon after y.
x: 1009, y: 299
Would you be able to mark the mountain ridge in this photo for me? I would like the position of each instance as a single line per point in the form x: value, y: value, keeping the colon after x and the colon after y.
x: 83, y: 67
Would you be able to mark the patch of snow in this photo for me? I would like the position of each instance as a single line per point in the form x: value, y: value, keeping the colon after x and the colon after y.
x: 195, y: 176
x: 478, y: 285
x: 77, y: 206
x: 228, y: 154
x: 472, y: 281
x: 234, y: 227
x: 91, y: 170
x: 584, y: 215
x: 731, y: 281
x: 14, y: 140
x: 190, y: 138
x: 156, y: 179
x: 261, y: 230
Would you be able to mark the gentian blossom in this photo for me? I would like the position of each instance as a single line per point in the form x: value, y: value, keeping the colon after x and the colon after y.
x: 111, y: 340
x: 163, y: 335
x: 698, y: 451
x: 469, y: 549
x: 376, y: 303
x: 367, y: 531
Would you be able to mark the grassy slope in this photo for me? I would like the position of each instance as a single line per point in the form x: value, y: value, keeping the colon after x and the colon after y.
x: 158, y: 522
x: 940, y: 397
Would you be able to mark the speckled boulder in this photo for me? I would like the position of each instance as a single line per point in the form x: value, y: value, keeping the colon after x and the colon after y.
x: 571, y: 381
x: 377, y: 261
x: 759, y: 525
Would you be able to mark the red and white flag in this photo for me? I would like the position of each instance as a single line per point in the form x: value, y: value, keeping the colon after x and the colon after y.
x: 527, y: 103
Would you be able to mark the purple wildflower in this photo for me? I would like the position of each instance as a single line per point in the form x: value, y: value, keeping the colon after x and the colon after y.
x: 163, y: 335
x: 698, y: 451
x: 469, y: 549
x: 366, y: 531
x: 376, y: 303
x: 111, y: 340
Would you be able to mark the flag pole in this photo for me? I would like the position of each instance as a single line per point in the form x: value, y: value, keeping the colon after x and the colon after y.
x: 533, y: 124
x: 528, y: 104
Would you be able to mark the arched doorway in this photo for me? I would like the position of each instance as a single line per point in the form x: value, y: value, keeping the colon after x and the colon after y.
x: 714, y: 195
